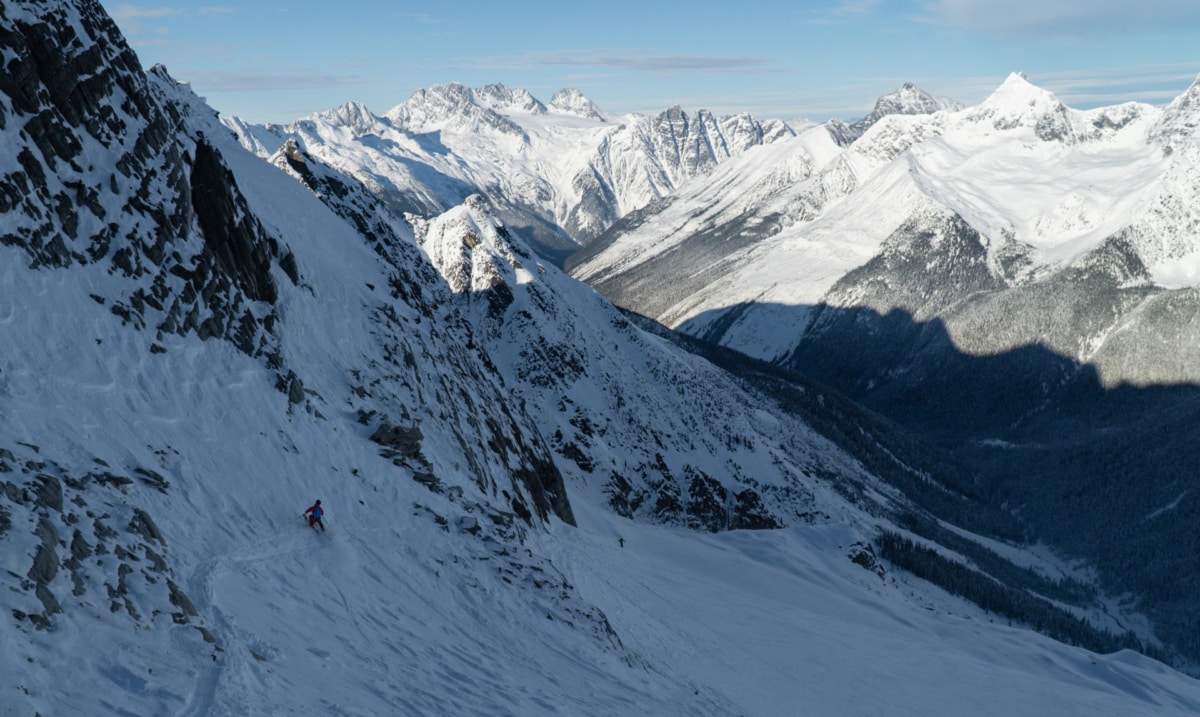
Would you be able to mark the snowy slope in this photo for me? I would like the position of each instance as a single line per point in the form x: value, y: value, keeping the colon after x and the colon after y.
x: 176, y: 389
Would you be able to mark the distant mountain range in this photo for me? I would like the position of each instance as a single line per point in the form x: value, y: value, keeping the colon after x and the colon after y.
x: 558, y: 174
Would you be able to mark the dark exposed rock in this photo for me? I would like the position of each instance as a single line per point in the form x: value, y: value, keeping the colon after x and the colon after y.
x: 180, y: 600
x: 238, y: 241
x: 102, y: 531
x: 863, y: 554
x: 706, y: 502
x: 106, y: 478
x: 398, y: 440
x: 80, y: 549
x: 152, y: 479
x: 751, y: 513
x: 50, y: 603
x: 621, y: 496
x: 157, y: 563
x: 142, y: 524
x: 45, y: 560
x: 124, y: 570
x: 295, y: 389
x: 50, y: 492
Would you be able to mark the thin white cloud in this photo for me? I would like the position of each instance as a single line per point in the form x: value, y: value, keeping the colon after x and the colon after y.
x: 647, y: 62
x: 130, y: 18
x: 126, y: 11
x: 1064, y: 18
x: 287, y: 79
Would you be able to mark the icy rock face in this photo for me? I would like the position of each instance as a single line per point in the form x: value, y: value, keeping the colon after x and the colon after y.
x: 416, y: 284
x: 1180, y: 121
x: 908, y: 99
x: 573, y: 102
x: 364, y: 211
x: 1020, y: 103
x: 694, y: 144
x: 134, y: 210
x: 456, y: 107
x: 502, y: 98
x: 354, y: 115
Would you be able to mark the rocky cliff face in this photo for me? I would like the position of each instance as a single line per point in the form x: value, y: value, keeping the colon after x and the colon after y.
x: 106, y: 173
x: 125, y: 178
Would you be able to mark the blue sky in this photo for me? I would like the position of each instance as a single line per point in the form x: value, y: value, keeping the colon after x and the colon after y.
x: 278, y: 60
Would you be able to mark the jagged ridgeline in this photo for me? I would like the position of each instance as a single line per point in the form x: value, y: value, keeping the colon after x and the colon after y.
x: 557, y: 174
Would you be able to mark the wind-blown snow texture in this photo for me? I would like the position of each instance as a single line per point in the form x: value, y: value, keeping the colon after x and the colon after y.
x: 196, y: 346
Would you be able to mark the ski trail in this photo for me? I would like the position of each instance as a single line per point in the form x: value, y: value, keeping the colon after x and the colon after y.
x: 235, y: 646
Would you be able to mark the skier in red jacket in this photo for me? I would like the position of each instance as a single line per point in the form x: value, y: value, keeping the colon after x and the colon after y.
x: 314, y: 513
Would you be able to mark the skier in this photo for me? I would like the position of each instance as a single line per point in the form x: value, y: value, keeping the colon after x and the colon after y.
x: 314, y: 514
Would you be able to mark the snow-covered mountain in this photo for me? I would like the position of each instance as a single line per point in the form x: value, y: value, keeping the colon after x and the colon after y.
x: 1045, y: 186
x: 1016, y: 280
x: 908, y: 99
x: 529, y: 495
x: 558, y: 174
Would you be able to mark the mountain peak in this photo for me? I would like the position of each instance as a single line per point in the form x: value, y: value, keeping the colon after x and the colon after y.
x: 1180, y: 120
x: 908, y: 99
x: 456, y: 107
x: 502, y: 98
x: 1016, y: 94
x: 573, y: 102
x: 470, y: 247
x: 354, y: 115
x: 1017, y: 102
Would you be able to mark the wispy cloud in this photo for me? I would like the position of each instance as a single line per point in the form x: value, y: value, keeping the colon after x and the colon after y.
x: 131, y: 18
x: 1068, y: 19
x: 287, y: 79
x: 1155, y: 84
x: 132, y: 12
x: 648, y: 62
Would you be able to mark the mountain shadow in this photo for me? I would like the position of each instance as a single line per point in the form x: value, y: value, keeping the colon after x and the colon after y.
x: 1104, y: 474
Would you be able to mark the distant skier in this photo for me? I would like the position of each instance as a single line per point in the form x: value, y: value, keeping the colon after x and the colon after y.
x: 314, y: 513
